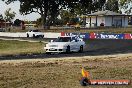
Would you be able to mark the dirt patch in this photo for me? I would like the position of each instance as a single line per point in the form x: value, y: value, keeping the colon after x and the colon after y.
x: 104, y: 59
x: 64, y: 73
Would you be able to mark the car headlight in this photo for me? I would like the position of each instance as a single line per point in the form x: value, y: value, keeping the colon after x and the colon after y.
x: 53, y: 45
x: 47, y: 45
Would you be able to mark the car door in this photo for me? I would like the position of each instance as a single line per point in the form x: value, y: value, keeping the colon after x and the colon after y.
x: 74, y: 44
x: 77, y: 44
x: 31, y: 33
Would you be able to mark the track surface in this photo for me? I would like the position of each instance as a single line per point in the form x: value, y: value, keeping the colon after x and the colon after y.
x: 93, y: 48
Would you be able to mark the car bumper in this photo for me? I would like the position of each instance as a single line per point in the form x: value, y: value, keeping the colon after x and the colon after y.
x: 51, y: 49
x: 38, y: 35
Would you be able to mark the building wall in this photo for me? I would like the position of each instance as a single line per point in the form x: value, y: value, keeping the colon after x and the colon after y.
x: 118, y: 21
x: 100, y: 20
x: 3, y: 24
x: 125, y: 21
x: 93, y: 21
x: 108, y: 21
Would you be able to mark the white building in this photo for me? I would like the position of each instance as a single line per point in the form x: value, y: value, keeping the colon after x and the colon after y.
x: 106, y: 18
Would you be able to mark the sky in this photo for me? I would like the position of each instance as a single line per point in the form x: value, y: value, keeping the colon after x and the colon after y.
x: 15, y: 7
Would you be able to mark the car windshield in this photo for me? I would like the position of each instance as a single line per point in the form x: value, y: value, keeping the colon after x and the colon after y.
x: 63, y: 39
x: 35, y: 30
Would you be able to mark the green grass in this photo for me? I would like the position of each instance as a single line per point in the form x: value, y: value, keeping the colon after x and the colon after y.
x: 63, y: 74
x: 88, y: 30
x: 8, y: 47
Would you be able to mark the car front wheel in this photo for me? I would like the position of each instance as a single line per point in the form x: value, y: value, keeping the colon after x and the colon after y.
x: 81, y: 49
x: 33, y: 35
x: 68, y: 49
x: 48, y: 53
x: 27, y: 35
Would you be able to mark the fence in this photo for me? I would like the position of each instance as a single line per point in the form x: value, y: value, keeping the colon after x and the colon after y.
x: 100, y: 35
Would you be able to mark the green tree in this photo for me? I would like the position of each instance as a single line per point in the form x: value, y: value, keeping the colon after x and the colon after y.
x: 126, y: 5
x: 9, y: 16
x: 39, y: 22
x: 79, y: 7
x: 112, y: 5
x: 46, y: 8
x: 1, y: 17
x: 17, y: 22
x: 84, y: 7
x: 49, y: 9
x: 66, y: 16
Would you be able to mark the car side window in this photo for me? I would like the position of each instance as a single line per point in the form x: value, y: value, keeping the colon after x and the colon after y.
x: 30, y: 30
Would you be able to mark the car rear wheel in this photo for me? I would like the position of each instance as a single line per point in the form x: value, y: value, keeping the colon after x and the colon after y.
x: 27, y: 35
x: 42, y: 36
x: 81, y: 49
x: 68, y: 49
x: 33, y: 35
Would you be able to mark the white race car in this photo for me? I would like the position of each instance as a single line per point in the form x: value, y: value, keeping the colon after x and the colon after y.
x: 65, y: 44
x: 34, y: 33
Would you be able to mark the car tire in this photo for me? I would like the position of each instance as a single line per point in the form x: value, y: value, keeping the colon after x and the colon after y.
x: 68, y: 49
x: 48, y: 53
x: 42, y: 36
x: 81, y: 49
x: 33, y: 35
x: 27, y: 35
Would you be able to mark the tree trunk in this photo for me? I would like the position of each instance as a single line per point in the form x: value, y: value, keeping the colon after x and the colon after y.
x: 43, y: 20
x: 45, y: 24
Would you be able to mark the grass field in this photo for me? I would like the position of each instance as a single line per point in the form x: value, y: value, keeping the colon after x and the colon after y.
x: 8, y: 47
x: 87, y: 30
x: 60, y: 72
x: 14, y: 47
x: 64, y: 73
x: 11, y: 47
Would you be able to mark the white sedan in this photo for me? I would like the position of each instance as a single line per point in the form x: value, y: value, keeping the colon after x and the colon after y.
x: 65, y: 44
x: 34, y: 33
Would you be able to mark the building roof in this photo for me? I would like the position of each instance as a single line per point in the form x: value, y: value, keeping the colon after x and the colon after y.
x: 106, y: 13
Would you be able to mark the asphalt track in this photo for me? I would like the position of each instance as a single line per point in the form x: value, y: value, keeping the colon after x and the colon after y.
x: 93, y: 48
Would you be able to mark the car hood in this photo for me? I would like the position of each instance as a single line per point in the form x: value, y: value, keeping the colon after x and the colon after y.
x: 39, y: 33
x: 58, y: 43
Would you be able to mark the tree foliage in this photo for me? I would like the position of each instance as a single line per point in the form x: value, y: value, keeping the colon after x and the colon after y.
x: 82, y: 7
x: 50, y: 9
x: 112, y: 5
x: 68, y: 17
x: 126, y: 5
x: 9, y: 16
x: 17, y: 22
x: 39, y: 21
x: 1, y: 17
x: 46, y: 8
